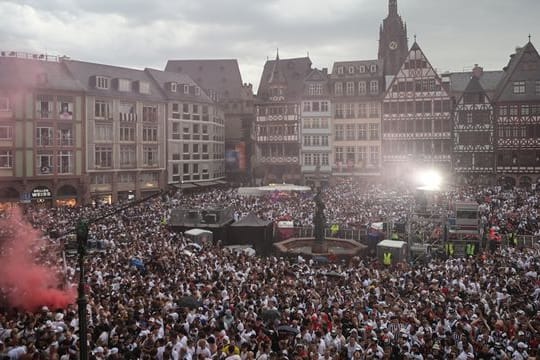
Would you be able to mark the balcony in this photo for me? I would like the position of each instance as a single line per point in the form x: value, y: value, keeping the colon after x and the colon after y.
x: 66, y: 141
x: 128, y: 117
x: 279, y: 159
x: 44, y: 141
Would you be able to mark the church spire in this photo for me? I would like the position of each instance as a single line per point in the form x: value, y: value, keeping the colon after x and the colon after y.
x: 392, y: 7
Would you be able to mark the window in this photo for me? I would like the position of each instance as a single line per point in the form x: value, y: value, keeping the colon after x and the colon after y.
x: 195, y: 112
x: 4, y: 103
x: 339, y: 132
x: 340, y: 70
x: 44, y: 136
x: 350, y: 88
x: 128, y: 156
x: 65, y: 108
x: 150, y: 134
x: 324, y: 106
x: 349, y: 111
x: 338, y: 154
x: 338, y: 88
x: 126, y: 178
x: 127, y: 133
x: 44, y: 107
x: 519, y: 87
x: 65, y: 136
x: 150, y: 156
x: 144, y: 87
x: 503, y: 110
x: 362, y: 69
x: 127, y: 112
x: 173, y: 87
x: 65, y: 162
x: 374, y: 155
x: 362, y: 88
x: 350, y: 156
x: 307, y: 140
x: 373, y: 68
x: 6, y: 132
x: 325, y: 159
x: 197, y: 91
x: 374, y: 131
x: 324, y: 123
x: 45, y: 163
x: 124, y: 85
x: 361, y: 158
x: 374, y: 87
x: 102, y: 82
x: 103, y: 156
x: 6, y: 159
x: 373, y: 110
x: 308, y: 159
x: 349, y: 132
x: 315, y: 89
x: 103, y: 132
x: 362, y: 132
x: 351, y: 69
x: 175, y: 111
x: 339, y: 111
x: 513, y: 110
x: 102, y: 110
x: 307, y: 106
x: 150, y: 114
x: 315, y: 106
x: 205, y: 113
x: 185, y: 111
x: 362, y: 110
x: 186, y: 89
x: 101, y: 179
x: 316, y: 141
x: 324, y: 140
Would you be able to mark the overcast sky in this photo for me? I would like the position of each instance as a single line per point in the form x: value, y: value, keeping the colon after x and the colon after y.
x: 146, y: 33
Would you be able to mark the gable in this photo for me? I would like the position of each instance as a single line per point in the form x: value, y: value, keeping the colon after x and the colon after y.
x: 416, y: 79
x: 524, y: 68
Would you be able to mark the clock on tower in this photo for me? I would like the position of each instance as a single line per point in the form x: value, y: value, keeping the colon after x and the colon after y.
x: 393, y: 45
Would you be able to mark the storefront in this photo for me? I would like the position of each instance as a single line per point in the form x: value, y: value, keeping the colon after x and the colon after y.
x: 101, y: 199
x: 125, y: 196
x: 66, y: 196
x: 42, y: 196
x: 9, y: 197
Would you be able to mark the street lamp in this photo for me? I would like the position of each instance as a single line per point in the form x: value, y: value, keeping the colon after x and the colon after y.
x: 82, y: 240
x: 81, y: 231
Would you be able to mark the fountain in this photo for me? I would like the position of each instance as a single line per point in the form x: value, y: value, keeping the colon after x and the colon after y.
x: 319, y: 245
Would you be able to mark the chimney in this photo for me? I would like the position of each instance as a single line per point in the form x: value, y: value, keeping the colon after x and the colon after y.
x: 477, y: 71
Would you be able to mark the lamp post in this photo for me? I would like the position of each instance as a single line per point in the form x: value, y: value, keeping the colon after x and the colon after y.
x: 82, y: 240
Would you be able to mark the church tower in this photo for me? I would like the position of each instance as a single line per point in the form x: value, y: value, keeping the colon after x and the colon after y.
x: 393, y: 43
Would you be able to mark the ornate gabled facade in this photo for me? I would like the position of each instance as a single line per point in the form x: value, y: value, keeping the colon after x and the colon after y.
x: 473, y: 133
x: 416, y: 120
x: 517, y: 109
x: 276, y: 132
x: 316, y: 130
x: 393, y: 42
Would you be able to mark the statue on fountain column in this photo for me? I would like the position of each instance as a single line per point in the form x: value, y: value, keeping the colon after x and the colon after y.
x: 319, y: 220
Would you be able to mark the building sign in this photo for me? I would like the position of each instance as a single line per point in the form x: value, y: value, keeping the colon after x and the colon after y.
x: 26, y: 198
x: 41, y: 193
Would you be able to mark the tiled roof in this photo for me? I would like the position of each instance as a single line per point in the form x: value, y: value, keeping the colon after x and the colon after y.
x: 294, y: 72
x: 222, y: 76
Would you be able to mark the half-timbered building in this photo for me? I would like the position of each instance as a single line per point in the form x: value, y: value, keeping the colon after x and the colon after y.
x: 517, y: 104
x: 416, y: 117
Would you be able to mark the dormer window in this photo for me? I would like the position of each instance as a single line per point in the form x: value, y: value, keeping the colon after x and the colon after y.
x: 144, y: 87
x: 197, y: 91
x: 351, y: 69
x: 173, y: 87
x: 340, y: 70
x: 102, y: 82
x: 186, y: 89
x: 362, y: 69
x: 373, y: 68
x: 124, y: 85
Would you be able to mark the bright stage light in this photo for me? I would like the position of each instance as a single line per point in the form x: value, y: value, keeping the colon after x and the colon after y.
x: 429, y: 179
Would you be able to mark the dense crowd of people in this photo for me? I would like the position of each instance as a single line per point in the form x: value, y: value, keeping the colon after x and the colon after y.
x: 212, y: 303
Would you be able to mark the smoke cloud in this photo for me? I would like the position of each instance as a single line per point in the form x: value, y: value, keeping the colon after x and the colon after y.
x: 28, y: 284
